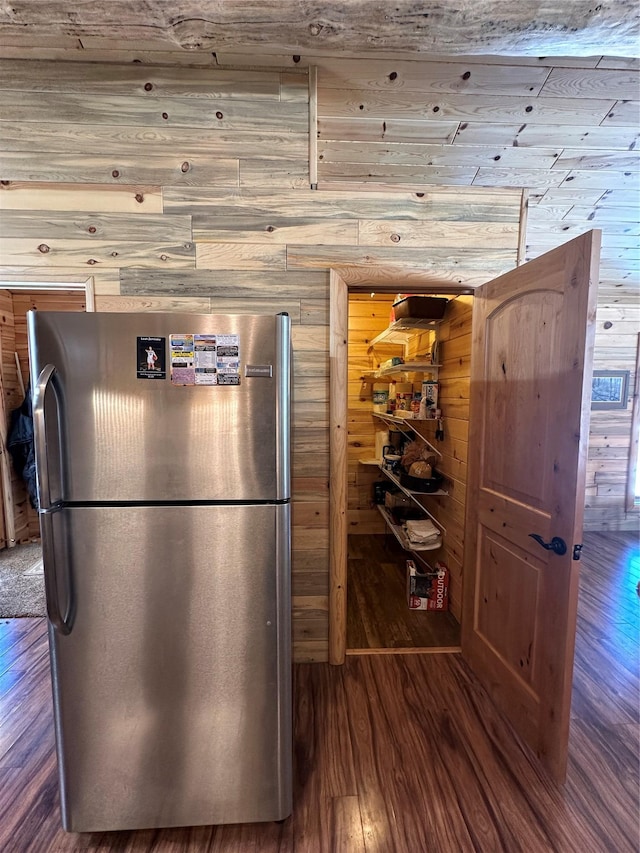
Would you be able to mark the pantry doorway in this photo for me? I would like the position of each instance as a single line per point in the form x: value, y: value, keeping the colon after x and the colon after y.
x: 404, y: 541
x: 357, y: 285
x: 533, y: 331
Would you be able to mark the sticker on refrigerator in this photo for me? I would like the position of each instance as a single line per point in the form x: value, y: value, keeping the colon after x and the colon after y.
x: 151, y: 358
x: 182, y: 357
x: 204, y: 349
x: 228, y: 359
x: 205, y: 359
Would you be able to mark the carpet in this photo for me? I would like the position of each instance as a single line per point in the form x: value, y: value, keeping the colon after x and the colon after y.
x: 22, y: 581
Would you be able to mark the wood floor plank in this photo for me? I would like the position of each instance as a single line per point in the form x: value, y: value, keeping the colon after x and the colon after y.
x: 603, y: 780
x: 14, y: 632
x: 423, y: 802
x: 324, y: 764
x: 346, y: 826
x: 371, y: 759
x: 29, y: 696
x: 620, y: 644
x: 605, y: 690
x: 16, y: 663
x: 529, y: 801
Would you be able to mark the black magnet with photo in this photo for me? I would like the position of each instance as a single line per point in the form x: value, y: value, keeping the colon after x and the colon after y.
x: 152, y: 358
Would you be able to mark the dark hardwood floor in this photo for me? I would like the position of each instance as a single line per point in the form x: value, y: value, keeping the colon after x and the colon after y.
x: 378, y: 616
x: 393, y: 753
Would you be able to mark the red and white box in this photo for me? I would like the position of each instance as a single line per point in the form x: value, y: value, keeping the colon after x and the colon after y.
x: 427, y: 590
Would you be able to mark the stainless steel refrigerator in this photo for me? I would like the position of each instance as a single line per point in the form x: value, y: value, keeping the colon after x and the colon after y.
x: 162, y: 449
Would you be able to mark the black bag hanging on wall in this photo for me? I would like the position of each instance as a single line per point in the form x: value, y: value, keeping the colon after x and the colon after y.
x: 21, y: 446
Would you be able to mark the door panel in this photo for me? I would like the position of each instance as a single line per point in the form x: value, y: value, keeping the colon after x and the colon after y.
x: 128, y: 438
x: 172, y: 690
x: 530, y: 399
x: 530, y: 385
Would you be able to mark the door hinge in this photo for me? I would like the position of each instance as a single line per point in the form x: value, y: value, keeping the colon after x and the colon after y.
x: 576, y: 551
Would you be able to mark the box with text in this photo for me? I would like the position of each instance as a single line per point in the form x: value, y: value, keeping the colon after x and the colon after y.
x: 427, y: 590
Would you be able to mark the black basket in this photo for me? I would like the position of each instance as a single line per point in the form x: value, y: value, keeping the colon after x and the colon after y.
x: 425, y: 485
x: 423, y: 307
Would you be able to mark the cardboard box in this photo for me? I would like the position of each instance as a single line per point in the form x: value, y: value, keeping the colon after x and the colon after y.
x: 427, y: 590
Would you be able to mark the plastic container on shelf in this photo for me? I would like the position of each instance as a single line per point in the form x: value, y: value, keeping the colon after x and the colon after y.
x: 381, y: 440
x: 380, y: 397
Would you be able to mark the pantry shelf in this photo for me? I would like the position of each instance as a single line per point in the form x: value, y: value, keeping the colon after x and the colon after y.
x: 401, y: 330
x: 406, y: 423
x: 405, y: 367
x: 369, y: 462
x: 401, y: 535
x: 415, y: 495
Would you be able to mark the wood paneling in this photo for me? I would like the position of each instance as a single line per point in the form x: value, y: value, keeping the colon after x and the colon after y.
x: 570, y: 136
x: 95, y: 227
x: 350, y: 102
x: 241, y: 135
x: 132, y: 79
x: 30, y: 107
x: 99, y: 253
x: 95, y: 198
x: 94, y: 168
x: 186, y: 143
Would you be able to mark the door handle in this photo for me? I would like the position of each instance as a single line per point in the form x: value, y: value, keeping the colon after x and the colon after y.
x: 46, y: 380
x: 557, y: 545
x: 61, y: 622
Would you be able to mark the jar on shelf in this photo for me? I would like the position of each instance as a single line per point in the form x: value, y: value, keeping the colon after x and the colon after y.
x: 380, y: 397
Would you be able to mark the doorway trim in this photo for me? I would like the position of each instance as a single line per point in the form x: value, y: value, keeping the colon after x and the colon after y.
x: 44, y: 284
x: 342, y: 281
x: 68, y: 283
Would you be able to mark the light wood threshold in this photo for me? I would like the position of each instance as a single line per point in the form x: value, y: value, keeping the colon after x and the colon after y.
x: 428, y: 650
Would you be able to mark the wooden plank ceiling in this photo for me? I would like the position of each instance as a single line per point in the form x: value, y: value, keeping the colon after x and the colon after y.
x: 506, y: 27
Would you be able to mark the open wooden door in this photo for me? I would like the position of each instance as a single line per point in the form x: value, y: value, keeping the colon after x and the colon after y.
x: 533, y: 331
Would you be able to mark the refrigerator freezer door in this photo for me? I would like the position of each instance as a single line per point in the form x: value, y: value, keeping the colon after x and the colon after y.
x: 126, y: 436
x: 172, y: 691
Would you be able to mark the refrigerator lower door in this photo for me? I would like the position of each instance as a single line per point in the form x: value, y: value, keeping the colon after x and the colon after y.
x: 172, y: 690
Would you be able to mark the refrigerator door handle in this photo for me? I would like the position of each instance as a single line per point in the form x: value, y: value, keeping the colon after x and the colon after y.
x: 47, y: 378
x: 61, y: 623
x: 283, y: 407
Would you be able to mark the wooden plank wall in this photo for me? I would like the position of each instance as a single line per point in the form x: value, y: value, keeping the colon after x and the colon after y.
x: 565, y: 129
x: 184, y: 187
x: 189, y: 191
